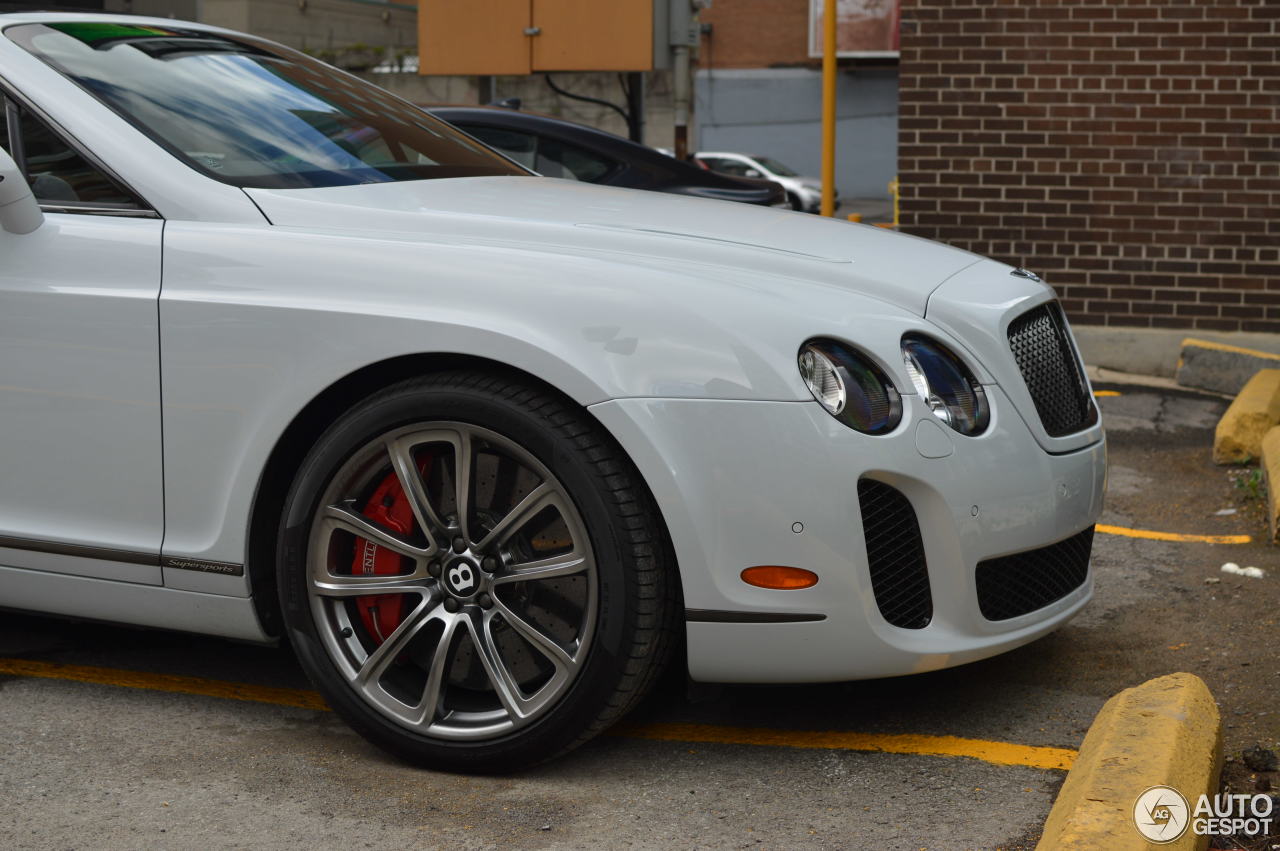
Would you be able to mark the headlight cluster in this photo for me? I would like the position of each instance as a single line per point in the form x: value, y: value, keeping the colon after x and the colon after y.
x: 946, y: 385
x: 855, y: 391
x: 851, y: 388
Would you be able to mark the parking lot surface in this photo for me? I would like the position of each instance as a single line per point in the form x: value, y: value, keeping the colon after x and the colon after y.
x: 90, y: 764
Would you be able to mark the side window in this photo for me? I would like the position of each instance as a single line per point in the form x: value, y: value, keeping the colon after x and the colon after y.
x: 520, y: 147
x: 546, y: 156
x: 58, y: 175
x: 558, y: 159
x: 731, y: 167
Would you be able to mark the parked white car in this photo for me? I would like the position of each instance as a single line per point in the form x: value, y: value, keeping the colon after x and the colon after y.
x: 804, y: 193
x: 284, y: 358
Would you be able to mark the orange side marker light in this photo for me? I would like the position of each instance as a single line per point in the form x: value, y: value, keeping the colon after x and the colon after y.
x: 779, y: 578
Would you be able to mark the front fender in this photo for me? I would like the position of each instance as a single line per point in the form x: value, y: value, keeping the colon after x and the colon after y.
x: 256, y: 322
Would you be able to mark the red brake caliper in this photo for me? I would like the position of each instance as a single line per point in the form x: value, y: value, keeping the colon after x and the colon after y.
x: 389, y: 508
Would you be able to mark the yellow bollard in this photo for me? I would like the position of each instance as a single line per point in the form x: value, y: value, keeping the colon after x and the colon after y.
x: 893, y: 190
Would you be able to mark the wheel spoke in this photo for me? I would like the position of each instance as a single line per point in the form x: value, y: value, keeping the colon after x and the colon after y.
x: 345, y: 516
x: 429, y: 705
x: 504, y: 685
x: 462, y: 461
x: 385, y: 653
x: 537, y: 638
x: 329, y: 585
x: 415, y: 490
x: 536, y: 500
x: 568, y: 564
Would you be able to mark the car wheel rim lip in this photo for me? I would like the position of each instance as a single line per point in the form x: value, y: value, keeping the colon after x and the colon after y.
x: 365, y: 668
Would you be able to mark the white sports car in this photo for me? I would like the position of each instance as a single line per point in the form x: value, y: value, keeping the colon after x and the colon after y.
x: 284, y: 358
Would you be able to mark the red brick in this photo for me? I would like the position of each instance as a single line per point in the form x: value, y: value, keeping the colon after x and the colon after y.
x: 1132, y: 148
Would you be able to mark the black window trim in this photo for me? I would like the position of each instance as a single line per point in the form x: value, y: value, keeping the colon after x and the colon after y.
x: 14, y: 102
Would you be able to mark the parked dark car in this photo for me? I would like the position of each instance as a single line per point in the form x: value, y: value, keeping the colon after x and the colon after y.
x: 557, y: 148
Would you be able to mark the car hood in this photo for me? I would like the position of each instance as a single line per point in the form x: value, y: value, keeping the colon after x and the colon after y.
x: 568, y: 217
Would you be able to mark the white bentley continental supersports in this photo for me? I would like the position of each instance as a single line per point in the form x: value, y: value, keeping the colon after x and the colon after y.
x: 283, y: 358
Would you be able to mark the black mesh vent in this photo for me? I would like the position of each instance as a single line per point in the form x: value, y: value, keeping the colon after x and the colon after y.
x: 1021, y: 583
x: 1051, y: 370
x: 895, y: 555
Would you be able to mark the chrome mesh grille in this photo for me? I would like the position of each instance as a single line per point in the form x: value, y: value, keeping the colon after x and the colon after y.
x: 1021, y: 583
x: 895, y: 555
x: 1051, y: 370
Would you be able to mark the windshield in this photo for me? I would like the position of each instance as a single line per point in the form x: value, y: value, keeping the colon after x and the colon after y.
x: 775, y: 167
x: 252, y: 114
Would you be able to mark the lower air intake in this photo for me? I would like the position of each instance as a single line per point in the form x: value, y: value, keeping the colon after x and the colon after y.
x: 1015, y: 585
x: 895, y: 555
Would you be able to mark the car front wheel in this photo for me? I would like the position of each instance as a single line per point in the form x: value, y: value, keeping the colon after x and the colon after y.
x: 473, y: 575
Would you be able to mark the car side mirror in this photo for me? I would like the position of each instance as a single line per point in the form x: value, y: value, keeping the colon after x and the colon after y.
x: 751, y: 172
x: 19, y: 210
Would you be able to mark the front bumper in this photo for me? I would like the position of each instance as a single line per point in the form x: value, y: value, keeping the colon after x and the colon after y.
x: 734, y: 480
x: 812, y: 199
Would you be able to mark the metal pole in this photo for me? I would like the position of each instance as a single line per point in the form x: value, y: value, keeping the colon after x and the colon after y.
x: 829, y: 108
x: 635, y: 106
x: 680, y: 84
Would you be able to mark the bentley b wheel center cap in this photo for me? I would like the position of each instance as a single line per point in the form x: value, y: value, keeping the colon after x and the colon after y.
x: 461, y: 577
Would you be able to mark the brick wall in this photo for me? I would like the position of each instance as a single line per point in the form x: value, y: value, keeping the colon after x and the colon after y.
x: 756, y: 34
x: 1128, y: 151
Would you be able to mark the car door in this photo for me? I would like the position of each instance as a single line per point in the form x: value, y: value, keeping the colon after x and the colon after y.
x: 80, y: 442
x: 733, y: 167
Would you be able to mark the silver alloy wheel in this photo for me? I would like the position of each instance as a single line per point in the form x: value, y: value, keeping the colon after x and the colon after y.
x: 495, y: 583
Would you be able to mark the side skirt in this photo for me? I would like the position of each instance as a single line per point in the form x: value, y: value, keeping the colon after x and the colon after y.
x: 130, y: 603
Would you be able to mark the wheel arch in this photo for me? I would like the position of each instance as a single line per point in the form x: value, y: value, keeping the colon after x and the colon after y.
x: 293, y: 444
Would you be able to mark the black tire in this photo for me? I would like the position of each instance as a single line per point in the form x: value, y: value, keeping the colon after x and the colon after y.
x: 620, y: 653
x: 796, y: 203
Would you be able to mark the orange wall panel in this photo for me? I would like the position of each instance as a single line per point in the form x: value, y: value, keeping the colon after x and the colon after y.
x: 473, y: 37
x: 587, y: 35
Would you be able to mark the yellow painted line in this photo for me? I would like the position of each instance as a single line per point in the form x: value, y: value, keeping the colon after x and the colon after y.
x: 1227, y: 347
x: 1173, y: 536
x: 1105, y: 393
x: 163, y: 682
x: 1000, y: 753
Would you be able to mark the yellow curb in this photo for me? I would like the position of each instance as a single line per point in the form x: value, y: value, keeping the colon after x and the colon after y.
x: 1220, y: 367
x: 1227, y: 347
x: 1271, y: 470
x: 1255, y: 410
x: 1165, y: 732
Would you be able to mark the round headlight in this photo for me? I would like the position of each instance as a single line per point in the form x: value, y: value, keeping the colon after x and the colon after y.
x: 946, y: 385
x: 851, y: 388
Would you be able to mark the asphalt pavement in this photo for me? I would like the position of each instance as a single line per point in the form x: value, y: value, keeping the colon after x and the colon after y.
x: 91, y: 765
